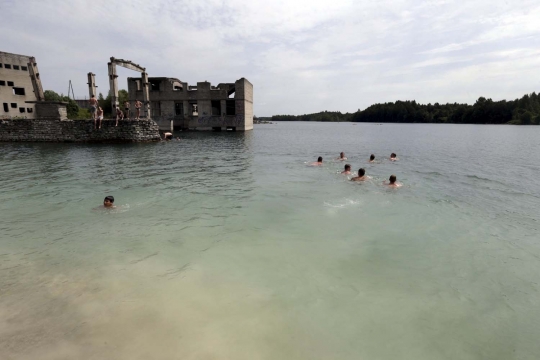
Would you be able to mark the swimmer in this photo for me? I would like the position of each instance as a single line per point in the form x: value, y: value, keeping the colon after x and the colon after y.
x: 167, y: 136
x: 347, y: 170
x: 361, y: 176
x: 393, y: 157
x: 108, y: 202
x: 392, y: 182
x: 341, y: 156
x: 372, y: 158
x: 318, y: 163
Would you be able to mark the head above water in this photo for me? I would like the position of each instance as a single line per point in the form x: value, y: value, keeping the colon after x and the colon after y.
x: 319, y: 159
x: 372, y: 157
x: 342, y: 154
x: 361, y: 172
x: 108, y: 201
x: 392, y: 179
x: 347, y: 167
x: 393, y: 155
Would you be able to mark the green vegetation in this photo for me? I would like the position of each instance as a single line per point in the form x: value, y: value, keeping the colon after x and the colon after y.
x: 106, y: 104
x: 524, y: 111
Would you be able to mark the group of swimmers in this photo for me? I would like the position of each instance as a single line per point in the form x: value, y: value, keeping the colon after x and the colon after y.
x: 391, y: 182
x: 97, y: 111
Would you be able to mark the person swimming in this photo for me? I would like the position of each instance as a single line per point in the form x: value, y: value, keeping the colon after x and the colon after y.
x: 108, y: 202
x: 392, y: 182
x: 318, y: 163
x: 347, y: 170
x: 361, y: 175
x: 167, y: 136
x: 393, y: 157
x: 341, y: 156
x: 372, y: 158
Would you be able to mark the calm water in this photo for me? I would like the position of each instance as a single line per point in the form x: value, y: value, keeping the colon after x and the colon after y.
x: 227, y: 246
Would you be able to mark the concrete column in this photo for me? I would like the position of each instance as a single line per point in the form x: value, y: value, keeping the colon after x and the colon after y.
x: 92, y: 85
x: 146, y: 94
x: 36, y: 81
x: 113, y: 83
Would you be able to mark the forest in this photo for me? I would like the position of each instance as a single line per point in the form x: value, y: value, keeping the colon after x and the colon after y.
x: 523, y: 111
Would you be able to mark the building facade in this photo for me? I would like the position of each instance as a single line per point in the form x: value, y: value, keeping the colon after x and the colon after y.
x: 176, y: 105
x: 16, y: 86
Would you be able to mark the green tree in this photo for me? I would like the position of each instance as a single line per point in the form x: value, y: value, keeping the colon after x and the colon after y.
x: 50, y: 95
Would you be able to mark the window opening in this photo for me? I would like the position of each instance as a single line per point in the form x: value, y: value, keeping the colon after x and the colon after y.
x: 18, y: 91
x: 15, y: 67
x: 194, y: 109
x: 179, y: 109
x: 154, y: 85
x: 24, y: 68
x: 29, y: 110
x: 2, y: 83
x: 6, y: 107
x: 14, y: 105
x: 0, y: 65
x: 231, y: 108
x: 7, y: 66
x: 156, y: 108
x: 10, y: 83
x: 21, y: 109
x: 216, y: 107
x: 231, y: 95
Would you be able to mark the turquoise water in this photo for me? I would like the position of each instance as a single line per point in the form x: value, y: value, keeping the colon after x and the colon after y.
x: 228, y: 246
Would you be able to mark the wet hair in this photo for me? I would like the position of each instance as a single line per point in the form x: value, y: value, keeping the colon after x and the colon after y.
x: 361, y: 172
x: 319, y: 159
x: 341, y: 154
x: 110, y: 198
x: 392, y: 179
x: 347, y: 167
x: 372, y: 157
x: 393, y: 155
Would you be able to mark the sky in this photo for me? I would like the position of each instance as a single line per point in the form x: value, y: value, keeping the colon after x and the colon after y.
x: 301, y: 56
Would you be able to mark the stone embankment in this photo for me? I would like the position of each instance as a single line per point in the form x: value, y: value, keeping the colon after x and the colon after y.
x: 53, y: 130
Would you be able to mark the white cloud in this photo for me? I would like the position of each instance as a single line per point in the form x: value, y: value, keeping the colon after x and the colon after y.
x: 302, y: 56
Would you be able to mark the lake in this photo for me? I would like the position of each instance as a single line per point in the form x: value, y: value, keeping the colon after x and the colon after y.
x: 229, y: 246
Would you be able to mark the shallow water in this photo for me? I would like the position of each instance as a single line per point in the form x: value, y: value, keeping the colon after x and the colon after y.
x: 228, y: 246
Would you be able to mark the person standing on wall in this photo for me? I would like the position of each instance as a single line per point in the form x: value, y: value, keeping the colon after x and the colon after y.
x: 93, y: 106
x: 126, y: 108
x: 138, y: 105
x: 119, y: 115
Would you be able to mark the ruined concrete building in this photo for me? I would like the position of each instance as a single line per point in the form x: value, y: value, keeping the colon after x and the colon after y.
x: 176, y: 105
x: 19, y: 85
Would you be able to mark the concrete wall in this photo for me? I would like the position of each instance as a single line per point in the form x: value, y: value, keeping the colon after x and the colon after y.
x: 21, y: 79
x: 78, y: 131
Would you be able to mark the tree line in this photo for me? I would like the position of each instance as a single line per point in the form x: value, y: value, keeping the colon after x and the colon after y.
x: 523, y: 111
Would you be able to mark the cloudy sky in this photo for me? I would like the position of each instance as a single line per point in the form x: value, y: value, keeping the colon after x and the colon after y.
x: 301, y: 56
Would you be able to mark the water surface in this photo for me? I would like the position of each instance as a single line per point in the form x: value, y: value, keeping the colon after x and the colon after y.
x: 228, y: 246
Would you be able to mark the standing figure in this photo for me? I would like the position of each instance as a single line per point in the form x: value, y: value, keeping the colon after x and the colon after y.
x: 138, y: 105
x: 99, y: 114
x: 93, y: 106
x: 119, y: 115
x: 126, y: 107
